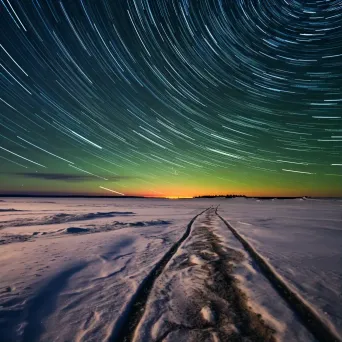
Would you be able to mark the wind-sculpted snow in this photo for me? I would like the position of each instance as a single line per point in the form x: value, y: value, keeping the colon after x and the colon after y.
x: 10, y: 238
x: 73, y: 270
x: 76, y: 230
x: 87, y: 229
x: 43, y: 293
x: 8, y: 210
x: 114, y: 226
x: 61, y: 218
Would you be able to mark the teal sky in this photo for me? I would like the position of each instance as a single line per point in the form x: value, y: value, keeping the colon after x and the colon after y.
x: 173, y: 99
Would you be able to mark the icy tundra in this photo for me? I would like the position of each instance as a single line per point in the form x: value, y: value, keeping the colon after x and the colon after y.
x: 170, y: 270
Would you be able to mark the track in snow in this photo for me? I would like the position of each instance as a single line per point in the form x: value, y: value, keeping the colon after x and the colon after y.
x: 309, y: 318
x: 127, y: 323
x: 129, y: 320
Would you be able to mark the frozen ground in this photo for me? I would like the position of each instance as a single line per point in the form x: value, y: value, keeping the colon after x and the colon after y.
x: 62, y: 285
x: 302, y: 239
x: 111, y: 269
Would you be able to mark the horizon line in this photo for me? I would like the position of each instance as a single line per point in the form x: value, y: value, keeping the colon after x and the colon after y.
x: 165, y: 197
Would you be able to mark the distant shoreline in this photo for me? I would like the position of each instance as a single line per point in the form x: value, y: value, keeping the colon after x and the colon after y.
x: 166, y: 198
x: 73, y: 196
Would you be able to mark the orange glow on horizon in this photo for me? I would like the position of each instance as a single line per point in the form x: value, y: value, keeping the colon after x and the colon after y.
x: 186, y: 191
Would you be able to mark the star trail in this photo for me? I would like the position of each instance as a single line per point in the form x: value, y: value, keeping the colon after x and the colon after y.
x: 171, y: 98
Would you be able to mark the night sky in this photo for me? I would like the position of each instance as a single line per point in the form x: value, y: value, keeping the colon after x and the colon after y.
x: 171, y: 97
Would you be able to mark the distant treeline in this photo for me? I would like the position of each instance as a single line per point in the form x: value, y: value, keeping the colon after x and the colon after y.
x: 221, y: 196
x: 244, y: 196
x: 67, y: 196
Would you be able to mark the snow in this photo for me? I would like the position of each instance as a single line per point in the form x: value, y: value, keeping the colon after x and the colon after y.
x: 188, y: 279
x: 70, y: 286
x: 302, y: 240
x: 69, y: 267
x: 208, y: 314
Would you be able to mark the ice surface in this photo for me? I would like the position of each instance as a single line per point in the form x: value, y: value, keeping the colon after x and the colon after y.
x: 75, y: 286
x: 183, y: 298
x: 69, y: 277
x: 302, y: 240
